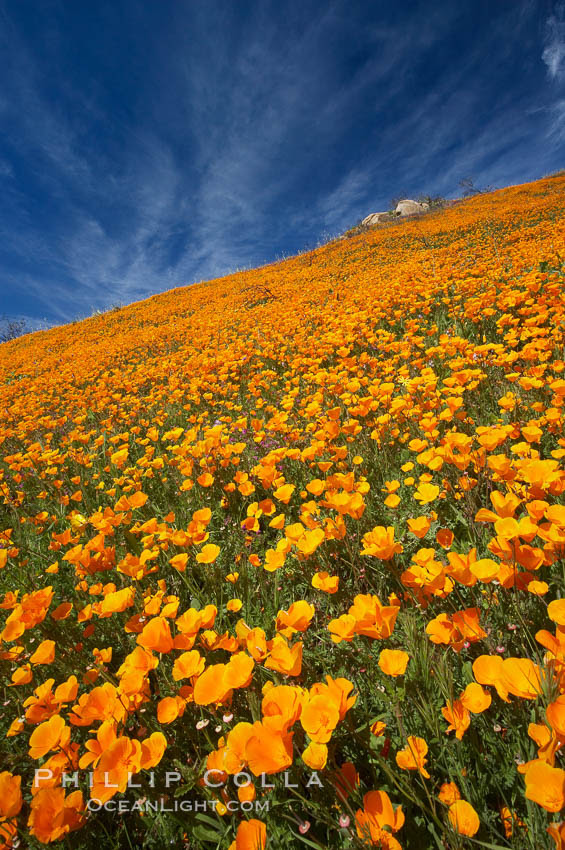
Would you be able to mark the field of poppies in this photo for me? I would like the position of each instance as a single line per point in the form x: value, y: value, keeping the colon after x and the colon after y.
x: 282, y: 555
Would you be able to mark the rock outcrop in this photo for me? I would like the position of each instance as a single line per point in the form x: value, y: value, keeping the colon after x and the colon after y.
x: 408, y: 207
x: 404, y: 207
x: 374, y: 218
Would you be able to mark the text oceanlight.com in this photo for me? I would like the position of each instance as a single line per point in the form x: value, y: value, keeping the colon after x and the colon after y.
x: 184, y: 805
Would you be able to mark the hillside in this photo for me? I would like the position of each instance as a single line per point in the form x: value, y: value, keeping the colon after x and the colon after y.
x: 305, y: 520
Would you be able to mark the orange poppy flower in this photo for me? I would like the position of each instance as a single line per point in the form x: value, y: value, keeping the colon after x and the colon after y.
x: 463, y: 818
x: 412, y: 757
x: 105, y: 737
x: 11, y: 799
x: 22, y: 675
x: 545, y: 785
x: 557, y: 832
x: 188, y: 664
x: 319, y: 718
x: 238, y: 671
x: 324, y: 581
x: 454, y: 630
x: 487, y: 670
x: 475, y: 698
x: 393, y: 662
x: 102, y: 703
x: 179, y: 562
x: 458, y: 717
x: 45, y: 653
x: 208, y: 554
x: 555, y: 713
x: 445, y: 537
x: 50, y: 735
x: 346, y: 780
x: 62, y: 611
x: 449, y: 793
x: 373, y: 619
x: 210, y: 686
x: 296, y: 619
x: 53, y: 815
x: 282, y: 705
x: 419, y: 526
x: 310, y: 540
x: 152, y: 750
x: 377, y: 819
x: 337, y: 691
x: 251, y: 835
x: 156, y: 635
x: 342, y: 628
x: 284, y: 658
x: 205, y: 480
x: 284, y: 493
x: 256, y: 643
x: 315, y: 755
x: 117, y: 763
x: 267, y: 750
x: 168, y: 709
x: 521, y: 677
x: 426, y: 493
x: 380, y: 543
x: 273, y: 560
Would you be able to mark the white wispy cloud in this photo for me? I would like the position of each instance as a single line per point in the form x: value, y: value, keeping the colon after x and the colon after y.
x: 554, y: 51
x: 246, y: 140
x: 557, y: 121
x: 489, y: 141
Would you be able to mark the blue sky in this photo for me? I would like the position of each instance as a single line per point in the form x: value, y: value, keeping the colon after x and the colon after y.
x: 146, y: 145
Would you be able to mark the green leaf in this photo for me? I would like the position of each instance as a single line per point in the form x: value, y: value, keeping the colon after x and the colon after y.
x: 133, y: 543
x: 305, y: 840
